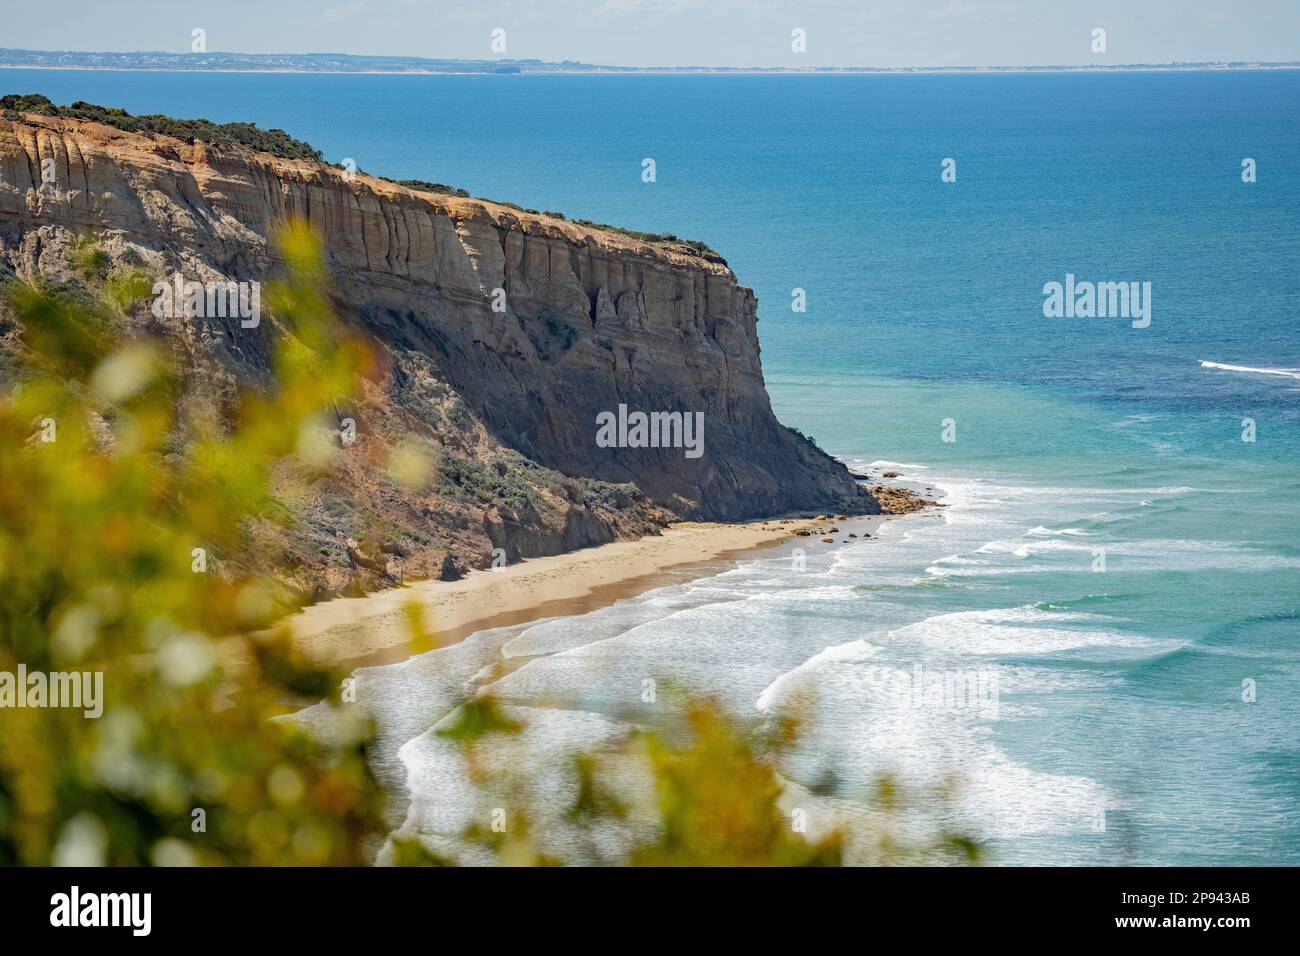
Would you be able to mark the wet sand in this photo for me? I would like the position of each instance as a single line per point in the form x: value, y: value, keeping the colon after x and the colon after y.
x: 376, y: 628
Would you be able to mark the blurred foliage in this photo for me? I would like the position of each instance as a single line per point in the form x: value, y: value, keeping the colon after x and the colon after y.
x: 693, y: 788
x: 718, y: 804
x: 100, y: 537
x: 121, y: 518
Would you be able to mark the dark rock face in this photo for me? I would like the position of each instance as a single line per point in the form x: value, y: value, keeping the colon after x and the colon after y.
x: 503, y: 334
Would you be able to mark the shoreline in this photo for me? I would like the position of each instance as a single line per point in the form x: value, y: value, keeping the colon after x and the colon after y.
x: 691, y: 71
x: 375, y: 629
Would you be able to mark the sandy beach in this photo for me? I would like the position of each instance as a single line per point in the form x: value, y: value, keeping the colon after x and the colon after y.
x: 376, y: 628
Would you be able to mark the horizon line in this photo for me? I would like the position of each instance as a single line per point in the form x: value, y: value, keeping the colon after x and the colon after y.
x: 14, y: 56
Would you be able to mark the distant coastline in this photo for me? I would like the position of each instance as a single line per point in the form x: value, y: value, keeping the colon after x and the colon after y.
x: 344, y: 63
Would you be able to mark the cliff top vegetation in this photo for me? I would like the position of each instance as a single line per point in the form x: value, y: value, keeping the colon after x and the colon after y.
x: 274, y: 141
x: 277, y: 142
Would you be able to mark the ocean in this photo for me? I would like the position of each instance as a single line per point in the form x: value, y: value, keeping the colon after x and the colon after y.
x: 1117, y: 560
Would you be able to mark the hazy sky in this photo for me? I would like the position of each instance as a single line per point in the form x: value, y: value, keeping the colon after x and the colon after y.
x: 682, y: 32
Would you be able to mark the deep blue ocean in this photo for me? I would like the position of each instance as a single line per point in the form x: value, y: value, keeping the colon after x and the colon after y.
x: 1114, y: 559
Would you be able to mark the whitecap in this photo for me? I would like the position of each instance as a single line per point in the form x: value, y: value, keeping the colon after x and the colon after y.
x: 1285, y: 372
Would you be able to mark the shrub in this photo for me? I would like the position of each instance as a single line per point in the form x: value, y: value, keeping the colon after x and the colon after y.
x: 98, y: 559
x: 274, y: 141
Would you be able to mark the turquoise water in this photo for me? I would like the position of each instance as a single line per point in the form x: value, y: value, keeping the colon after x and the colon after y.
x: 1120, y: 732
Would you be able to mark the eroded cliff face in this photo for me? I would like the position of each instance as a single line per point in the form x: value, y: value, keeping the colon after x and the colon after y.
x: 585, y: 320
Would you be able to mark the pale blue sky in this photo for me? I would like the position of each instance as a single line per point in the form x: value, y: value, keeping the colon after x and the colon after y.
x: 682, y: 32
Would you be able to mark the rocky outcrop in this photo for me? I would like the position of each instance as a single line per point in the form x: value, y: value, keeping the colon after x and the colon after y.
x: 901, y: 500
x: 504, y: 332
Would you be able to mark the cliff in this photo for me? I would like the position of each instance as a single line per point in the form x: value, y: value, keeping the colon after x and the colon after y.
x: 503, y: 336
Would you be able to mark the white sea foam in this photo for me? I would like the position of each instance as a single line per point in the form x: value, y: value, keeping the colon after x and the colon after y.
x: 861, y: 720
x: 835, y: 640
x: 1041, y: 532
x: 1144, y: 554
x: 883, y: 465
x: 1285, y: 372
x: 783, y: 685
x: 1023, y: 549
x: 1023, y: 630
x: 880, y: 464
x: 404, y: 699
x: 537, y: 761
x: 559, y: 634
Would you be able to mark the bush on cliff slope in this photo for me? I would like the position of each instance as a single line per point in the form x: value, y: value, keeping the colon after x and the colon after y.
x: 274, y: 141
